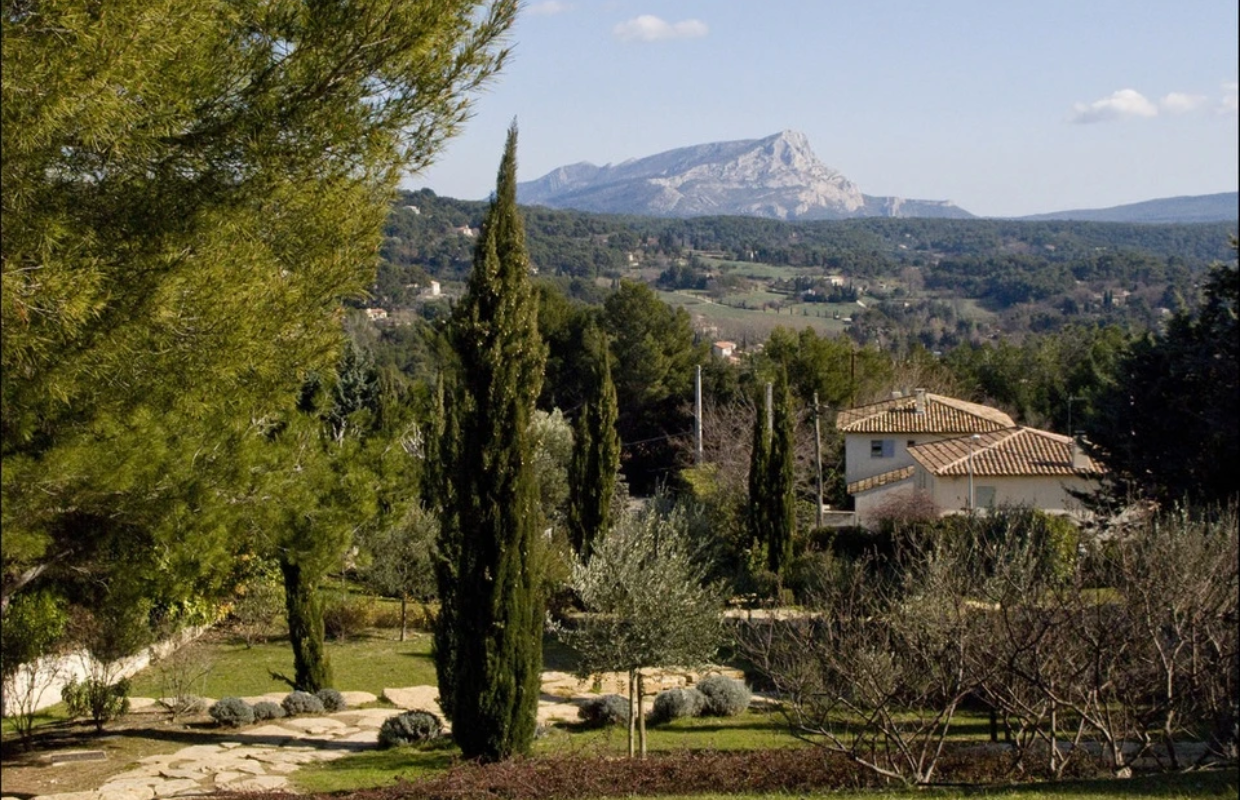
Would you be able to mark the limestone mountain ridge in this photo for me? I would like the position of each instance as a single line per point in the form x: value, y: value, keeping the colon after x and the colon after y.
x: 777, y: 177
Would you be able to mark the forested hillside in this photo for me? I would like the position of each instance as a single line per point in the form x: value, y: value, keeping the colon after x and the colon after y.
x: 936, y: 282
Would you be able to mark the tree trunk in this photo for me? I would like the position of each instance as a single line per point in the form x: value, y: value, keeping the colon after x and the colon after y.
x: 305, y: 629
x: 404, y: 602
x: 632, y: 711
x: 641, y: 716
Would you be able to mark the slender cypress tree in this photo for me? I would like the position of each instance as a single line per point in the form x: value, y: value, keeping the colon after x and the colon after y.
x: 497, y: 609
x: 759, y: 455
x: 780, y: 497
x: 437, y: 488
x: 596, y: 450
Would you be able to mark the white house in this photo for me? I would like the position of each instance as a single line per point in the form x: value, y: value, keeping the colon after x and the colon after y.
x: 877, y: 436
x: 723, y: 349
x: 878, y: 465
x: 1016, y: 466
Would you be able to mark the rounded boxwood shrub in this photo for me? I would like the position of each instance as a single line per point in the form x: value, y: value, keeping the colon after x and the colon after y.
x: 331, y: 699
x: 302, y: 703
x: 725, y: 697
x: 265, y: 709
x: 610, y: 709
x: 232, y: 712
x: 677, y: 703
x: 408, y: 728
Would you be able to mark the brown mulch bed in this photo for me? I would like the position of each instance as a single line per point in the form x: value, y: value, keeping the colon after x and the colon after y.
x: 793, y: 770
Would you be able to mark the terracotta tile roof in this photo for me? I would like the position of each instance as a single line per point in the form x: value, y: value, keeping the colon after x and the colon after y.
x: 1013, y: 451
x: 882, y: 479
x: 941, y: 415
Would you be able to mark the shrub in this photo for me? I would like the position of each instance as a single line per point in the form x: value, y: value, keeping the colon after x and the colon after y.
x: 182, y: 676
x: 677, y: 703
x: 725, y: 697
x: 408, y: 728
x: 97, y: 699
x: 302, y: 703
x: 265, y: 709
x: 610, y: 709
x: 345, y: 616
x: 232, y: 712
x: 331, y: 699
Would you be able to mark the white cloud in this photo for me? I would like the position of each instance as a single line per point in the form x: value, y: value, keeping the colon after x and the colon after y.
x: 649, y: 28
x: 548, y: 8
x: 1118, y: 105
x: 1181, y: 103
x: 1230, y: 103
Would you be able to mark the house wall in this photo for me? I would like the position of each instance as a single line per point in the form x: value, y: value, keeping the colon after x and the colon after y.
x: 1048, y: 493
x: 859, y: 464
x: 867, y: 505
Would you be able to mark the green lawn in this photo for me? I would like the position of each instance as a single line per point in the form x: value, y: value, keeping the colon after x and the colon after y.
x: 749, y: 731
x: 369, y: 663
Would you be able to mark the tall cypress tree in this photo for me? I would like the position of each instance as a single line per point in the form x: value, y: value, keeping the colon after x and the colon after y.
x: 596, y: 450
x: 759, y: 455
x: 780, y: 497
x: 497, y: 649
x: 437, y: 494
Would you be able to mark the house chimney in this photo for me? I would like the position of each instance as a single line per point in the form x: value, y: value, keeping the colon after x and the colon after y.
x: 1080, y: 460
x: 896, y: 394
x: 920, y: 404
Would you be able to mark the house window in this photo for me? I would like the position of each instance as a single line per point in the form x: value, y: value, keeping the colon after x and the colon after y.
x: 882, y: 448
x: 984, y: 496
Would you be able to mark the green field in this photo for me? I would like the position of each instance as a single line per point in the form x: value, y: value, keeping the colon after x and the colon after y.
x: 738, y: 323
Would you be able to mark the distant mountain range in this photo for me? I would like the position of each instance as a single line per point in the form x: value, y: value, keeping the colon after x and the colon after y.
x: 1221, y: 207
x: 779, y: 177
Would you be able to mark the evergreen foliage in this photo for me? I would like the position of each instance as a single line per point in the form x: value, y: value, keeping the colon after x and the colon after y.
x: 772, y: 498
x: 439, y: 493
x: 759, y: 459
x: 299, y: 702
x: 311, y: 670
x: 332, y: 700
x: 190, y: 189
x: 780, y: 497
x: 409, y: 728
x: 1168, y: 425
x: 596, y: 451
x: 497, y: 611
x: 677, y: 703
x: 232, y: 712
x: 265, y: 710
x: 600, y: 712
x: 725, y: 697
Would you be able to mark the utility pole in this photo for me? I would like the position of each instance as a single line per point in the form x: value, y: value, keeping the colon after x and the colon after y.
x: 697, y: 416
x: 818, y: 457
x: 1072, y: 400
x: 972, y: 443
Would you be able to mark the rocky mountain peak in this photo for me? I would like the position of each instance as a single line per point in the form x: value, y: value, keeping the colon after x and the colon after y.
x: 778, y: 176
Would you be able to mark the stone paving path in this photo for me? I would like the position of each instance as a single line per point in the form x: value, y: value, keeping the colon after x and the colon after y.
x: 261, y: 757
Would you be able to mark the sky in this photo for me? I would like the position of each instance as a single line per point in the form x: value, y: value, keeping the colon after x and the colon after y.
x: 1005, y: 107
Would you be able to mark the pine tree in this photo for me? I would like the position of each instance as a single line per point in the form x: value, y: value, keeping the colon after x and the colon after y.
x: 596, y: 451
x: 780, y: 498
x: 190, y: 189
x: 497, y: 611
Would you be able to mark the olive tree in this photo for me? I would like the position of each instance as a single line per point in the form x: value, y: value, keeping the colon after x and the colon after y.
x: 648, y: 604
